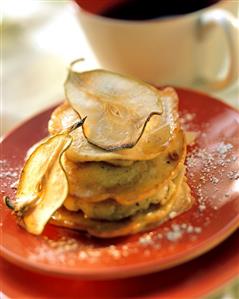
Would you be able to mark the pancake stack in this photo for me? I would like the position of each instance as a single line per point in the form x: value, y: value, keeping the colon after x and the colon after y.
x: 113, y: 164
x: 115, y: 193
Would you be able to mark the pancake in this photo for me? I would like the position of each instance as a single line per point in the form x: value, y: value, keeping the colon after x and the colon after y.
x: 110, y: 209
x: 179, y: 201
x: 95, y: 181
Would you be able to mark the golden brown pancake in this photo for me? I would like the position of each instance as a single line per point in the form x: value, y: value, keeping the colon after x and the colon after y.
x: 179, y: 201
x: 95, y: 181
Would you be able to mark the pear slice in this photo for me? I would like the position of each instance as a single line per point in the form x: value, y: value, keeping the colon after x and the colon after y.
x: 52, y: 190
x: 117, y: 107
x: 43, y: 184
x: 158, y: 134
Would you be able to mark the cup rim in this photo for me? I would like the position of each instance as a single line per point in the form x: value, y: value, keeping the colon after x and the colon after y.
x: 166, y: 19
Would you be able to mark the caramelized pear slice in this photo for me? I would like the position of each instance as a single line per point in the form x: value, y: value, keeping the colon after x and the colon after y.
x: 157, y: 135
x: 54, y: 191
x: 117, y: 107
x: 43, y: 184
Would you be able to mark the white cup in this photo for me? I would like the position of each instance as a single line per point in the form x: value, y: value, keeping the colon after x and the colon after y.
x: 199, y: 48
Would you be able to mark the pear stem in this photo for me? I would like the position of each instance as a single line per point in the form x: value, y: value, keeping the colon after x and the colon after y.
x: 8, y: 202
x: 76, y: 125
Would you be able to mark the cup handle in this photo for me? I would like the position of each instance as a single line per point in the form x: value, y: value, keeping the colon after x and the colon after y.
x: 230, y: 27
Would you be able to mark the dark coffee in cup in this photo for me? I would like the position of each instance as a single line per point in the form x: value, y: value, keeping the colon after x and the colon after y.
x: 143, y: 9
x: 151, y: 9
x: 175, y: 45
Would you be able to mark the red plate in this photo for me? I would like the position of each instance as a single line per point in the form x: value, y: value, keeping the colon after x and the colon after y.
x: 213, y: 165
x: 192, y: 280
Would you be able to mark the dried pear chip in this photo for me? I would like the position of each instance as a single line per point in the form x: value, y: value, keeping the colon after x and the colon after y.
x: 157, y: 135
x: 43, y: 184
x: 117, y: 107
x: 53, y: 194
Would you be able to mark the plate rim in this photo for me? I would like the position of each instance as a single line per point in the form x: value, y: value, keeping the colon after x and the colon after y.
x: 129, y: 271
x: 227, y: 276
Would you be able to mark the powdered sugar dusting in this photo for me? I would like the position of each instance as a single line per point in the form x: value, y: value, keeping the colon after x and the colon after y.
x: 9, y: 175
x: 224, y: 148
x: 208, y: 168
x: 69, y: 251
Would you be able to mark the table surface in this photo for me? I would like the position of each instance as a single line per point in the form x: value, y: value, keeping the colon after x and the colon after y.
x: 35, y: 58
